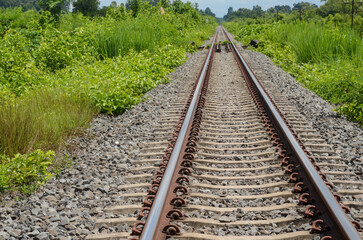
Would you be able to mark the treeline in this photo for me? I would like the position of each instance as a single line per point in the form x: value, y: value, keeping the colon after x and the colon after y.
x: 25, y: 4
x: 257, y: 11
x: 338, y: 11
x: 92, y: 8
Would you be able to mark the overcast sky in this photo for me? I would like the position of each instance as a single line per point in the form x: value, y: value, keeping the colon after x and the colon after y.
x: 220, y: 7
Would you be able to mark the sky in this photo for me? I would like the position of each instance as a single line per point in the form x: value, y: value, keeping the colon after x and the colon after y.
x: 220, y: 7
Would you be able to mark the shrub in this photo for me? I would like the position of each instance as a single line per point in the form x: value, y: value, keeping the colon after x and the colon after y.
x: 114, y: 85
x: 27, y: 171
x: 18, y: 69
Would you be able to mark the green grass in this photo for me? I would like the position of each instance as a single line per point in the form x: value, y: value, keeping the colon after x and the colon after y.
x: 120, y: 40
x: 314, y: 42
x: 41, y: 120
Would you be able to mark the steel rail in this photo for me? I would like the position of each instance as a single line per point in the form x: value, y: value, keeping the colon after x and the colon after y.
x: 149, y: 229
x: 348, y: 231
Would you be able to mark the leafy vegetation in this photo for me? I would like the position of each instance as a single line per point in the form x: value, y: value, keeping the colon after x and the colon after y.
x: 25, y: 171
x: 327, y: 59
x: 57, y: 71
x: 87, y: 7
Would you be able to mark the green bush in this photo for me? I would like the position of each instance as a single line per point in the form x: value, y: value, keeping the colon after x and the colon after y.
x: 27, y: 171
x: 15, y: 18
x: 18, y: 69
x: 114, y: 85
x: 58, y: 50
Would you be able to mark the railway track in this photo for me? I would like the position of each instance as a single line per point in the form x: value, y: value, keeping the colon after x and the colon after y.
x: 232, y: 162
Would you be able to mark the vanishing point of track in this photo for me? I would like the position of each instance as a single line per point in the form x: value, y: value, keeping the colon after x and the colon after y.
x: 239, y: 164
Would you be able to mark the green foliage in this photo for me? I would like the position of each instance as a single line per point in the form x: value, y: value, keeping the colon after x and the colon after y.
x: 87, y: 7
x: 55, y: 7
x: 71, y: 21
x: 117, y: 13
x: 15, y: 18
x: 114, y: 85
x: 18, y: 71
x: 55, y: 77
x: 326, y: 59
x: 134, y: 6
x: 26, y: 172
x: 58, y: 50
x: 25, y: 55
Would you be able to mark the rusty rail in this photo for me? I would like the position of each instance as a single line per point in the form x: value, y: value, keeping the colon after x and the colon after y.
x: 330, y: 219
x: 171, y: 176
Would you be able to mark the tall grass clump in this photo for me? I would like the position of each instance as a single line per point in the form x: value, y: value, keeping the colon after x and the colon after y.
x: 118, y: 41
x: 314, y: 42
x: 40, y: 120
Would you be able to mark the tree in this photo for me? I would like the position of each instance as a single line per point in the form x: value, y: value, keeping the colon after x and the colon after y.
x: 240, y: 13
x: 103, y: 11
x: 178, y: 6
x: 113, y: 4
x: 55, y: 7
x: 257, y: 11
x: 230, y: 11
x: 165, y: 3
x: 283, y: 8
x: 87, y: 7
x: 134, y: 6
x: 154, y: 2
x: 301, y: 7
x: 209, y: 12
x: 332, y: 7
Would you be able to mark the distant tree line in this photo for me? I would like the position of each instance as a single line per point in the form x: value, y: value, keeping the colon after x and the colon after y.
x: 92, y: 7
x: 257, y: 11
x: 25, y: 4
x: 299, y: 10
